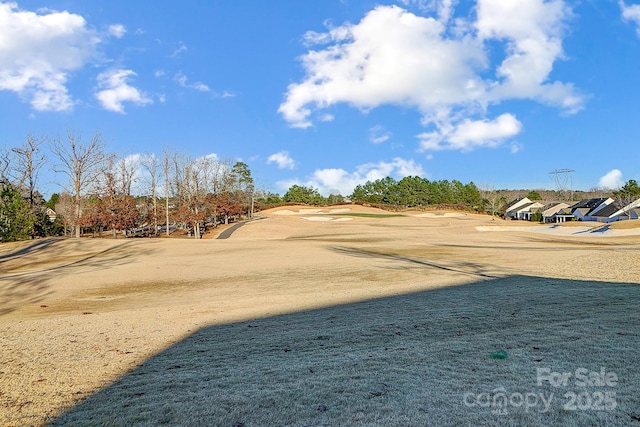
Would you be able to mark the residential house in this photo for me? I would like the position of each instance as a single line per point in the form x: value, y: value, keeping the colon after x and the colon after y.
x: 551, y: 210
x: 616, y: 211
x: 585, y: 209
x: 51, y: 214
x: 563, y: 215
x: 522, y: 208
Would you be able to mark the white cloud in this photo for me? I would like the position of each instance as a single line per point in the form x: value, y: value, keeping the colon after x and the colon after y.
x: 178, y: 51
x: 532, y: 31
x: 207, y: 160
x: 282, y: 159
x: 440, y: 66
x: 378, y: 134
x: 470, y: 134
x: 118, y: 30
x: 39, y: 51
x: 181, y: 79
x: 515, y: 147
x: 224, y: 94
x: 329, y: 180
x: 631, y: 13
x: 611, y: 180
x: 115, y: 90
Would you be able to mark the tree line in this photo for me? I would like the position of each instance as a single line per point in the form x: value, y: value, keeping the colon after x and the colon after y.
x: 414, y: 191
x: 174, y: 191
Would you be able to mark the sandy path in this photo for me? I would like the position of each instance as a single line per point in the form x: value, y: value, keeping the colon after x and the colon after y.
x: 76, y: 315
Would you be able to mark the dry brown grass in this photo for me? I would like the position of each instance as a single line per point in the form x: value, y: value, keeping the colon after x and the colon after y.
x: 625, y: 225
x: 375, y: 321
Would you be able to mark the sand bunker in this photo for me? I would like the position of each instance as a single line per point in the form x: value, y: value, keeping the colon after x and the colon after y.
x: 325, y: 218
x: 299, y: 212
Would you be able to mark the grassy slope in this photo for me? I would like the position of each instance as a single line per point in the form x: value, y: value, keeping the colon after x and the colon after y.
x: 405, y: 360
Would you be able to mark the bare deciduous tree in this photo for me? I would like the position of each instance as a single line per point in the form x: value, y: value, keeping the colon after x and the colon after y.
x: 627, y: 197
x: 65, y: 209
x: 150, y: 164
x: 492, y: 198
x: 124, y: 171
x: 28, y: 159
x: 191, y: 190
x: 83, y: 164
x: 119, y: 207
x: 5, y: 161
x: 165, y: 170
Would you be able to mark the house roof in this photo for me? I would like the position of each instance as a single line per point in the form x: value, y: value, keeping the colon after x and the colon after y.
x: 550, y: 205
x: 590, y: 203
x: 611, y: 209
x: 607, y: 211
x: 514, y: 202
x: 525, y: 206
x: 588, y: 207
x: 564, y: 211
x: 554, y: 208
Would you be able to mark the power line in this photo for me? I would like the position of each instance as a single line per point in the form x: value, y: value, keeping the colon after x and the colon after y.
x: 563, y: 180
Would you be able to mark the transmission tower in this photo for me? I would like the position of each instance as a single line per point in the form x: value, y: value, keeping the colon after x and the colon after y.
x: 563, y: 180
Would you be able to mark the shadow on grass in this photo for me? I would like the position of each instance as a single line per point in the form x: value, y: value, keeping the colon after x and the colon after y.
x: 469, y: 268
x: 32, y: 285
x: 32, y: 246
x: 415, y: 359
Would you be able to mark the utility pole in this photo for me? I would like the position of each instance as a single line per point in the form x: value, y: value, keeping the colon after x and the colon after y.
x: 563, y: 179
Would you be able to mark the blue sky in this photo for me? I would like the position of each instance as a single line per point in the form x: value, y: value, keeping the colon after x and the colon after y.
x: 332, y: 93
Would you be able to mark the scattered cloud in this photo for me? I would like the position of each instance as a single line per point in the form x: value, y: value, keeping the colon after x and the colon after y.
x: 41, y: 51
x: 451, y: 70
x: 114, y: 90
x: 611, y: 180
x: 118, y: 30
x: 207, y: 158
x: 181, y: 79
x: 329, y: 180
x: 378, y: 134
x: 470, y: 134
x: 178, y: 51
x: 282, y: 159
x: 225, y: 94
x: 515, y: 147
x: 631, y: 13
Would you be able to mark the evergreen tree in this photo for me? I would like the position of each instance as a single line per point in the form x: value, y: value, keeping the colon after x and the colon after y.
x: 302, y: 194
x: 16, y: 219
